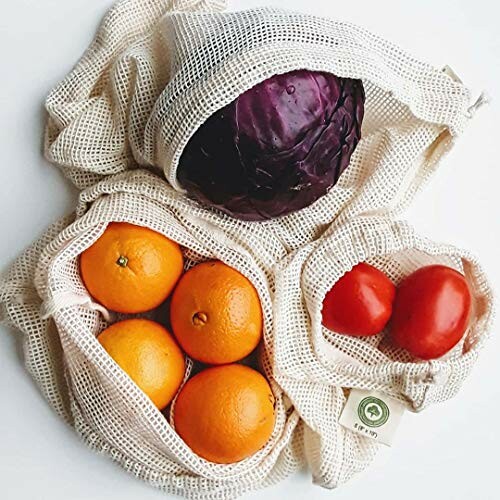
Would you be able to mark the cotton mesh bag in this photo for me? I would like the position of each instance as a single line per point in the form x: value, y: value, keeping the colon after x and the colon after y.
x: 44, y: 297
x: 158, y: 70
x: 309, y: 358
x: 153, y: 75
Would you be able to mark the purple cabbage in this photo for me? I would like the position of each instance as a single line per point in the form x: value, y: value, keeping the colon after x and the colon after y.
x: 277, y: 148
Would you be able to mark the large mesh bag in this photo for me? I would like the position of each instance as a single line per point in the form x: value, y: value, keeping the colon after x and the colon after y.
x: 310, y: 359
x: 44, y: 297
x: 154, y: 74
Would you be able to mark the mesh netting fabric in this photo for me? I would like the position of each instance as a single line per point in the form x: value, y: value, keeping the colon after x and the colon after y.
x: 154, y: 75
x: 83, y: 382
x: 309, y: 367
x: 312, y: 364
x: 117, y: 126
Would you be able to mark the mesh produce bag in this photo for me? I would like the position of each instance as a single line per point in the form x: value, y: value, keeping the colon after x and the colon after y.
x: 312, y: 363
x: 153, y: 76
x: 88, y: 388
x: 154, y: 73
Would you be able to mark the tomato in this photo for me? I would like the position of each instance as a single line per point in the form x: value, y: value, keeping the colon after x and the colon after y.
x: 360, y: 303
x: 431, y: 311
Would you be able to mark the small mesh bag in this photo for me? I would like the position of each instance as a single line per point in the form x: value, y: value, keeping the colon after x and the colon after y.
x: 313, y: 364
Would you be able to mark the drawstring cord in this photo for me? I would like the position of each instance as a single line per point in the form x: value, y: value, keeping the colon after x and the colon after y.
x: 67, y: 299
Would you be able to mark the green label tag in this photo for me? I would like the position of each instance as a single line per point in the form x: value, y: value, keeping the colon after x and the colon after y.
x: 372, y: 414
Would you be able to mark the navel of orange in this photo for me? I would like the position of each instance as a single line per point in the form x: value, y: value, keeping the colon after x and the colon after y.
x: 131, y: 269
x: 216, y: 314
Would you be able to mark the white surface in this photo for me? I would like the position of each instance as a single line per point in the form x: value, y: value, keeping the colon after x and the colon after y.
x: 449, y: 451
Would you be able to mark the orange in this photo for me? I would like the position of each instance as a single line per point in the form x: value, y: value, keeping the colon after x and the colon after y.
x: 149, y: 355
x: 131, y: 269
x: 225, y: 413
x: 216, y: 314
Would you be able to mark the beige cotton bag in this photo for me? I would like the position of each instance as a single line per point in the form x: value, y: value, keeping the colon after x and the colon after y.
x: 155, y: 71
x: 312, y: 363
x: 44, y: 297
x: 153, y: 75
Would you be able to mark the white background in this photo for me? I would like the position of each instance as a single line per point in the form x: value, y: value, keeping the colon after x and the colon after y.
x: 448, y: 452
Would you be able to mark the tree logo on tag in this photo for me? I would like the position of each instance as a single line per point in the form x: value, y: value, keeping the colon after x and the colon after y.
x: 373, y: 411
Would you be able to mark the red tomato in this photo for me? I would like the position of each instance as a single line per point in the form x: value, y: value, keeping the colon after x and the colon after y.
x: 360, y: 303
x: 431, y: 311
